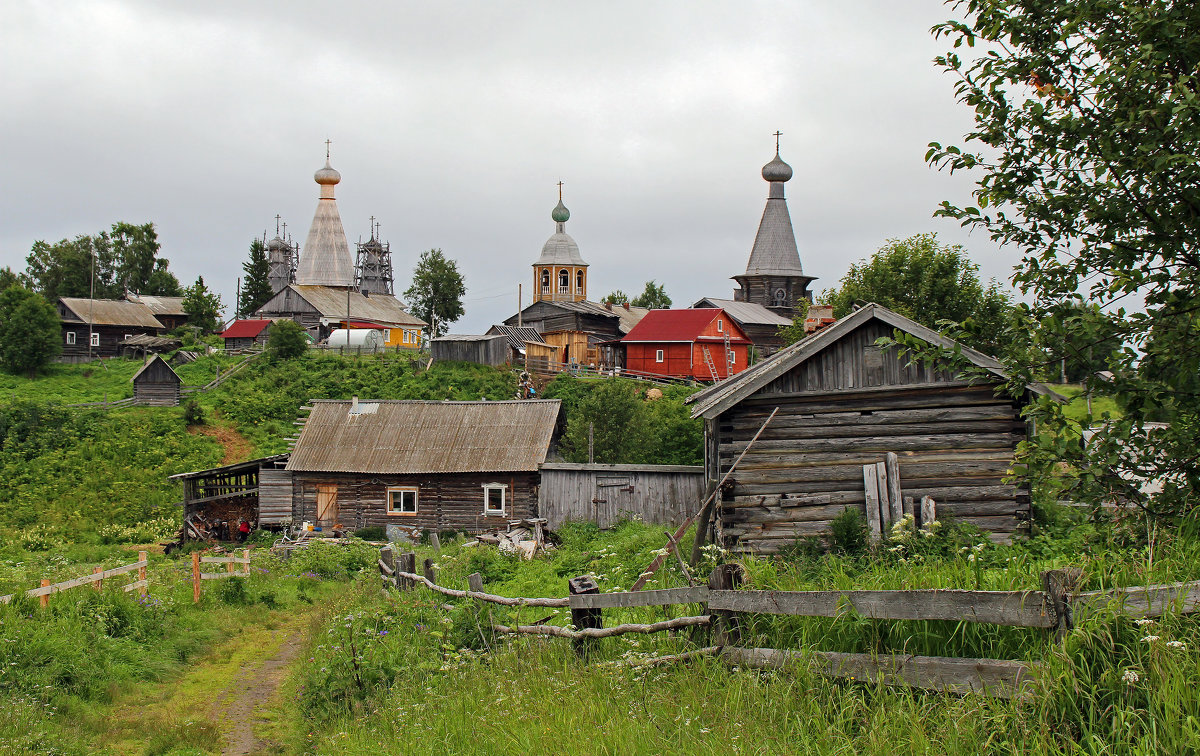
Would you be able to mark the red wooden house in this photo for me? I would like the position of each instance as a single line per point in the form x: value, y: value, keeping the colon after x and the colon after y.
x: 703, y: 344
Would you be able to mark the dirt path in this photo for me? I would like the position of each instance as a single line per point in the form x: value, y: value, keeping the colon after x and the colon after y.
x: 236, y: 447
x: 251, y: 697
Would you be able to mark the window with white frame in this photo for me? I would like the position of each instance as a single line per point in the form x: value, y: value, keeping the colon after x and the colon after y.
x: 493, y: 498
x: 720, y: 326
x: 70, y: 337
x: 658, y: 355
x: 95, y: 339
x: 402, y: 500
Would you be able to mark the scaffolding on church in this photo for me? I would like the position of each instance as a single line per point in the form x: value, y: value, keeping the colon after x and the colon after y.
x: 373, y: 266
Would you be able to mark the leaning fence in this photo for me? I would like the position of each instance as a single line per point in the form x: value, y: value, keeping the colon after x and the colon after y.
x: 96, y: 580
x: 1054, y: 609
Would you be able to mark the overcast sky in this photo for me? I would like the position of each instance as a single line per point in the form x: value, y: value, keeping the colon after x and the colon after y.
x: 452, y: 122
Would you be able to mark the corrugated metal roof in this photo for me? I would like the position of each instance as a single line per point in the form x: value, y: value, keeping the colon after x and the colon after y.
x: 745, y: 313
x: 426, y: 437
x: 679, y: 325
x: 245, y: 329
x: 378, y: 308
x: 468, y: 337
x: 516, y: 336
x: 111, y: 312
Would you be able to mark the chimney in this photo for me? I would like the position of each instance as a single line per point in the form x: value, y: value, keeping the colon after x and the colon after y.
x: 817, y: 318
x: 354, y: 405
x: 626, y: 305
x: 608, y: 306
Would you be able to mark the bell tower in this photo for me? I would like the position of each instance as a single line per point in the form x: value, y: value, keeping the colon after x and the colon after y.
x: 560, y: 274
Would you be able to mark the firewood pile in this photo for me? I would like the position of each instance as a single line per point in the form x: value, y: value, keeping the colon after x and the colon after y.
x: 524, y: 537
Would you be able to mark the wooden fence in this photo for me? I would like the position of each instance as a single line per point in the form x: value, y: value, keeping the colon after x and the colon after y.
x: 1055, y: 609
x: 96, y: 580
x: 199, y: 577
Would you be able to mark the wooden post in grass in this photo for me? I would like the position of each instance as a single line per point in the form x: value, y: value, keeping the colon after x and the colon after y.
x: 246, y: 564
x: 195, y: 577
x: 726, y: 630
x: 44, y: 599
x: 475, y: 582
x: 430, y: 575
x: 142, y: 556
x: 895, y: 496
x: 928, y: 512
x: 436, y: 540
x: 387, y: 555
x: 96, y: 586
x: 1058, y: 586
x: 229, y: 567
x: 584, y: 618
x: 408, y: 563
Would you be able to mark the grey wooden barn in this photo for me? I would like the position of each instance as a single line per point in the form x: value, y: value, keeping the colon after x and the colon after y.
x: 844, y: 403
x: 156, y: 384
x: 258, y: 491
x: 607, y: 494
x: 484, y: 350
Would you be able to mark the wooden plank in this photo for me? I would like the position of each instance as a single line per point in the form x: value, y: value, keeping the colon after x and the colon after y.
x: 220, y: 575
x: 881, y: 444
x: 664, y: 597
x: 224, y: 560
x: 885, y: 509
x: 1012, y: 608
x: 994, y: 677
x: 871, y: 484
x: 139, y: 585
x: 502, y: 600
x: 928, y: 512
x: 605, y: 632
x: 1140, y: 601
x: 895, y: 495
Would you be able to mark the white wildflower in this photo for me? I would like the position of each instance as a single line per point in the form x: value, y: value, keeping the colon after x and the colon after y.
x: 1176, y: 644
x: 1143, y: 622
x: 1150, y: 639
x: 1130, y: 676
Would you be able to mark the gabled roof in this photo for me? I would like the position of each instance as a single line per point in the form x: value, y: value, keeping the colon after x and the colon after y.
x: 160, y: 305
x: 151, y: 361
x: 391, y: 437
x: 680, y: 325
x: 331, y: 303
x: 721, y: 396
x: 626, y: 318
x: 246, y: 329
x: 745, y: 313
x: 517, y: 337
x: 111, y: 312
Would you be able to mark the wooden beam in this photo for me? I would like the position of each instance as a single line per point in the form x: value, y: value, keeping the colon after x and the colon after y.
x: 1012, y: 608
x: 605, y: 632
x: 895, y: 496
x: 665, y: 597
x: 871, y: 486
x: 1140, y: 601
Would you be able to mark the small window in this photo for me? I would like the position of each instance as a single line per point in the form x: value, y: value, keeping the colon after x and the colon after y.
x: 720, y: 326
x: 402, y: 501
x: 70, y: 337
x: 564, y: 281
x: 579, y: 281
x: 658, y: 355
x: 493, y: 498
x: 95, y: 339
x: 387, y: 335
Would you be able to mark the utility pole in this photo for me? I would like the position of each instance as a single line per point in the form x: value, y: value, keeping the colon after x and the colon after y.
x: 519, y: 305
x: 591, y: 445
x: 91, y: 304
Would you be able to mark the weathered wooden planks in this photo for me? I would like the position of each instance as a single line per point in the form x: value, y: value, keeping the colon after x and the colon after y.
x: 1013, y: 608
x: 1140, y: 601
x: 1003, y: 679
x: 664, y: 597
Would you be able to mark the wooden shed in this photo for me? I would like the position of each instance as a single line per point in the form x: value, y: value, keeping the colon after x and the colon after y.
x: 844, y: 403
x: 607, y: 494
x: 484, y: 350
x: 156, y: 384
x: 258, y: 490
x: 424, y: 465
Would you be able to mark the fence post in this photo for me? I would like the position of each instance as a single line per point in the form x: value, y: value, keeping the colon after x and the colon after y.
x: 430, y: 575
x: 229, y: 567
x: 44, y: 599
x: 437, y: 543
x: 475, y: 582
x: 726, y: 627
x: 246, y: 564
x: 195, y: 577
x: 408, y: 563
x: 96, y: 586
x: 1058, y: 585
x: 387, y: 555
x: 142, y: 557
x: 584, y: 618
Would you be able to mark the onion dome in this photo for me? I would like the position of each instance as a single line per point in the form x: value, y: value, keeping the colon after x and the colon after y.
x: 327, y: 176
x: 277, y: 244
x: 560, y: 213
x: 777, y: 170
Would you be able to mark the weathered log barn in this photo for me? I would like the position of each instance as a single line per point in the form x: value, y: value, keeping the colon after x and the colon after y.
x: 259, y: 491
x: 844, y: 403
x: 469, y: 466
x: 607, y: 494
x: 156, y: 384
x: 457, y: 347
x: 102, y: 323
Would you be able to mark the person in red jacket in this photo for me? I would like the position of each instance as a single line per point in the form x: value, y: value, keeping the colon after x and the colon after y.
x: 243, y: 530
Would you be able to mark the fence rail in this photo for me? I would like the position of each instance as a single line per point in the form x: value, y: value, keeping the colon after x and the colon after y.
x: 96, y: 580
x: 198, y: 576
x: 1054, y: 608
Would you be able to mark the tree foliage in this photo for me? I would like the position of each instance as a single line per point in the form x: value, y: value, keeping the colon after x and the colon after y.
x: 30, y: 336
x: 930, y: 282
x: 256, y: 286
x: 436, y: 293
x: 616, y: 297
x: 125, y: 258
x: 653, y: 297
x: 287, y: 339
x: 1087, y: 131
x: 203, y: 307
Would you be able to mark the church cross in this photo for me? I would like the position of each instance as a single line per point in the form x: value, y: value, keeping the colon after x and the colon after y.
x: 327, y: 143
x: 277, y: 216
x: 560, y: 191
x: 372, y: 226
x: 777, y: 135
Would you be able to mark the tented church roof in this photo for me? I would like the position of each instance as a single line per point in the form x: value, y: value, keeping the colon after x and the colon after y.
x: 325, y: 257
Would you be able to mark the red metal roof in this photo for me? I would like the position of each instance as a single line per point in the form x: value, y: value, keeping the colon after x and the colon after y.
x: 245, y: 329
x: 682, y: 325
x: 366, y: 324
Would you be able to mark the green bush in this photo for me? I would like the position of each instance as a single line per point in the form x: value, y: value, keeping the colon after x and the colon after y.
x: 371, y: 533
x: 287, y: 340
x: 849, y: 532
x: 193, y: 413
